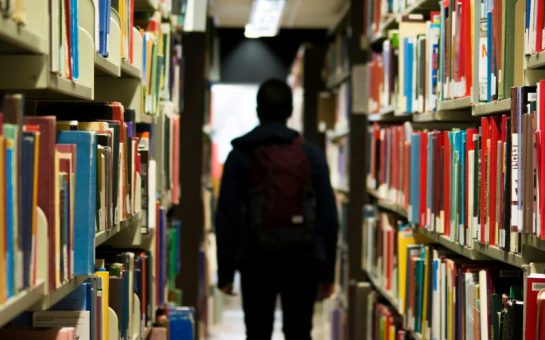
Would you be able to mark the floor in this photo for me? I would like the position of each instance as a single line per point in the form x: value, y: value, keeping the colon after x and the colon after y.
x: 232, y: 327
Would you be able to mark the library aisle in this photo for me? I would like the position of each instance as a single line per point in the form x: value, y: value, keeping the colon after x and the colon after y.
x: 116, y: 122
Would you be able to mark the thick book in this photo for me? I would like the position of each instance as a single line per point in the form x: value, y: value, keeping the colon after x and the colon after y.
x: 84, y: 212
x: 47, y: 181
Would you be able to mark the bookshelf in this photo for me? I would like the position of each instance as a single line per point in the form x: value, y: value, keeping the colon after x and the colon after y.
x: 452, y: 106
x: 30, y: 69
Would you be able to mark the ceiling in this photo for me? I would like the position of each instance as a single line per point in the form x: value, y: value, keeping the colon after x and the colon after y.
x: 298, y: 14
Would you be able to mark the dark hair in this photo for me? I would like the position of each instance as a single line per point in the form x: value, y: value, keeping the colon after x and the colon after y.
x: 274, y: 101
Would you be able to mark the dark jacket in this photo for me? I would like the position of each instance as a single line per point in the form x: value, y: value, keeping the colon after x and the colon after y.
x: 233, y: 238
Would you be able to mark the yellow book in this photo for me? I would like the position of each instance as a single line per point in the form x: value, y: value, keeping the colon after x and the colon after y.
x: 405, y: 237
x: 57, y: 223
x: 3, y: 269
x: 123, y: 20
x: 34, y: 260
x: 105, y: 276
x: 427, y: 262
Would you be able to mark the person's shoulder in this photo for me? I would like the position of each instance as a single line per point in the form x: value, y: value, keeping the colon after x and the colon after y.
x: 313, y: 150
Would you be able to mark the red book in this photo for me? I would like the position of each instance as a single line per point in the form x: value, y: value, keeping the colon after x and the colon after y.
x: 438, y: 185
x: 423, y: 176
x: 389, y: 234
x: 540, y: 23
x: 534, y: 284
x: 541, y: 315
x: 68, y: 165
x: 468, y: 58
x: 46, y: 200
x: 541, y: 153
x: 484, y: 176
x: 69, y: 36
x: 470, y: 146
x: 502, y: 154
x: 493, y: 169
x: 131, y: 31
x: 446, y: 183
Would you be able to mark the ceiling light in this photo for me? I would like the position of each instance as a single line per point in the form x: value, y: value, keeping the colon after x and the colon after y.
x: 264, y: 18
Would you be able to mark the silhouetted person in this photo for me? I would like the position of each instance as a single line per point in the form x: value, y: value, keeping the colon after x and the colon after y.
x: 276, y: 221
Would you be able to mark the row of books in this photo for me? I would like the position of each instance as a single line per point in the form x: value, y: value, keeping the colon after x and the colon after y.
x: 83, y: 164
x: 337, y: 57
x: 102, y: 22
x: 534, y: 27
x: 427, y: 59
x: 130, y: 282
x: 381, y: 11
x: 64, y: 38
x: 156, y: 62
x: 468, y: 184
x: 440, y: 295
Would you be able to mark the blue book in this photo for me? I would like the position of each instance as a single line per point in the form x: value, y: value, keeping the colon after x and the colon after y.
x: 430, y: 171
x: 414, y: 184
x: 103, y: 24
x: 181, y: 323
x: 451, y: 139
x: 74, y: 37
x: 419, y: 293
x: 406, y: 79
x: 27, y: 193
x: 489, y: 58
x: 409, y: 57
x: 10, y: 249
x: 462, y: 193
x: 78, y: 299
x: 84, y: 229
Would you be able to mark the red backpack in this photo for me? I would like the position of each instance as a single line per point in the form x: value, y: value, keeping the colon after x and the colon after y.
x: 282, y: 199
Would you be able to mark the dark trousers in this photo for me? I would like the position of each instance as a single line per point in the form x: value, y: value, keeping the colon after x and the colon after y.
x: 296, y: 283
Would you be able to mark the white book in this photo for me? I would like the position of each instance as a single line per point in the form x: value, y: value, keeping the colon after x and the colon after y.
x: 443, y: 301
x: 470, y: 203
x: 436, y: 307
x: 483, y: 298
x: 80, y: 320
x: 469, y: 319
x: 152, y: 189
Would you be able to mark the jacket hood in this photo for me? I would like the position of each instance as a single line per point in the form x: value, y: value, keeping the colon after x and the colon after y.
x: 266, y: 133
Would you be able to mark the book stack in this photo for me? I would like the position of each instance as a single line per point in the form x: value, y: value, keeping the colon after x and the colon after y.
x: 155, y: 63
x: 19, y: 168
x: 534, y: 27
x: 383, y: 76
x: 456, y: 64
x: 64, y: 31
x: 389, y: 171
x: 418, y: 68
x: 434, y: 292
x: 336, y: 62
x: 499, y: 67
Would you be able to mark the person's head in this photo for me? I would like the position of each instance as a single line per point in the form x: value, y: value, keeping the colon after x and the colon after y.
x: 274, y: 102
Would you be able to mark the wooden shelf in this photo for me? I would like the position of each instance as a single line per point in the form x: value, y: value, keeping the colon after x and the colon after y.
x: 337, y: 79
x: 384, y: 293
x: 482, y: 109
x: 48, y: 300
x: 421, y: 6
x: 16, y: 39
x: 105, y: 67
x: 335, y: 136
x: 499, y: 254
x: 469, y: 253
x: 536, y: 61
x: 393, y: 207
x: 443, y: 116
x: 21, y: 302
x: 454, y: 104
x: 533, y: 241
x: 103, y: 236
x: 388, y: 117
x: 129, y: 70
